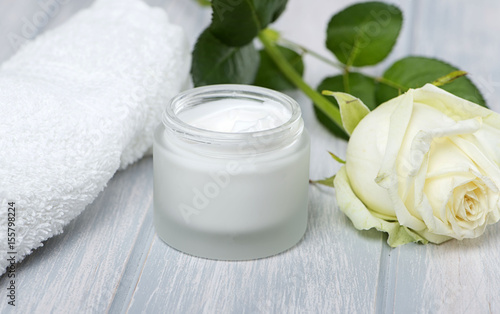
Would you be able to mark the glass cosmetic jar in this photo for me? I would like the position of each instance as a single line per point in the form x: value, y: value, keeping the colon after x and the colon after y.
x: 231, y: 173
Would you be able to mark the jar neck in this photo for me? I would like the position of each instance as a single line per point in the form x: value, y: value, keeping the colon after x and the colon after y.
x: 232, y: 143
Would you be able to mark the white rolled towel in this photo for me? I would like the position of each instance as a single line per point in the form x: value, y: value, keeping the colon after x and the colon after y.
x: 77, y: 104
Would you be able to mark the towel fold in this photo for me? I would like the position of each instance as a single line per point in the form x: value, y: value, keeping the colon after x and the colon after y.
x: 76, y: 104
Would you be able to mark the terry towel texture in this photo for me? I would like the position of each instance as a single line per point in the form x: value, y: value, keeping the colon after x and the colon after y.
x: 77, y: 104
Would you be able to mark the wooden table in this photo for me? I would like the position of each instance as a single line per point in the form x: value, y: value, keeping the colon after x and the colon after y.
x: 110, y: 259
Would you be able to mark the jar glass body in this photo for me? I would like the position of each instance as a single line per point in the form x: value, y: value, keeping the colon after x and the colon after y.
x: 230, y: 196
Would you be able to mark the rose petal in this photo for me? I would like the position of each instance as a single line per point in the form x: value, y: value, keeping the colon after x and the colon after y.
x: 364, y: 219
x: 480, y: 159
x: 421, y: 143
x: 387, y: 176
x: 488, y: 141
x: 455, y: 107
x: 364, y: 156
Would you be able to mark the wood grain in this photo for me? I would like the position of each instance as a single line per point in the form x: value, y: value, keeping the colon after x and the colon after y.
x: 110, y: 260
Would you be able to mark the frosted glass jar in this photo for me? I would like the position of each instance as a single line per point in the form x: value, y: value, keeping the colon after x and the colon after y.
x: 234, y: 194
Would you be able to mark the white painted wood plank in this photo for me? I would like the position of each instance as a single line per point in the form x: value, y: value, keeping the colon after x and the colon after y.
x: 455, y: 277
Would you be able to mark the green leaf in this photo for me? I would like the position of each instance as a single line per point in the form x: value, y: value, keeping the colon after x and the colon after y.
x: 204, y: 3
x: 336, y: 158
x: 327, y: 182
x: 352, y: 109
x: 217, y: 63
x: 415, y: 72
x: 365, y: 33
x: 237, y: 22
x: 360, y: 86
x: 234, y: 22
x: 268, y: 11
x: 270, y: 76
x: 327, y: 123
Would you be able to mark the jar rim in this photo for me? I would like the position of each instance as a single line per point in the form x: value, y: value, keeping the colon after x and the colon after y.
x: 290, y: 129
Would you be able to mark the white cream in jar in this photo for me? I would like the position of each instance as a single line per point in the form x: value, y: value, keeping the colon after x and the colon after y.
x: 236, y: 115
x: 231, y: 171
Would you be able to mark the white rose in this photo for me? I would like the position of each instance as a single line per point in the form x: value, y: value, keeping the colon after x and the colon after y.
x: 423, y: 167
